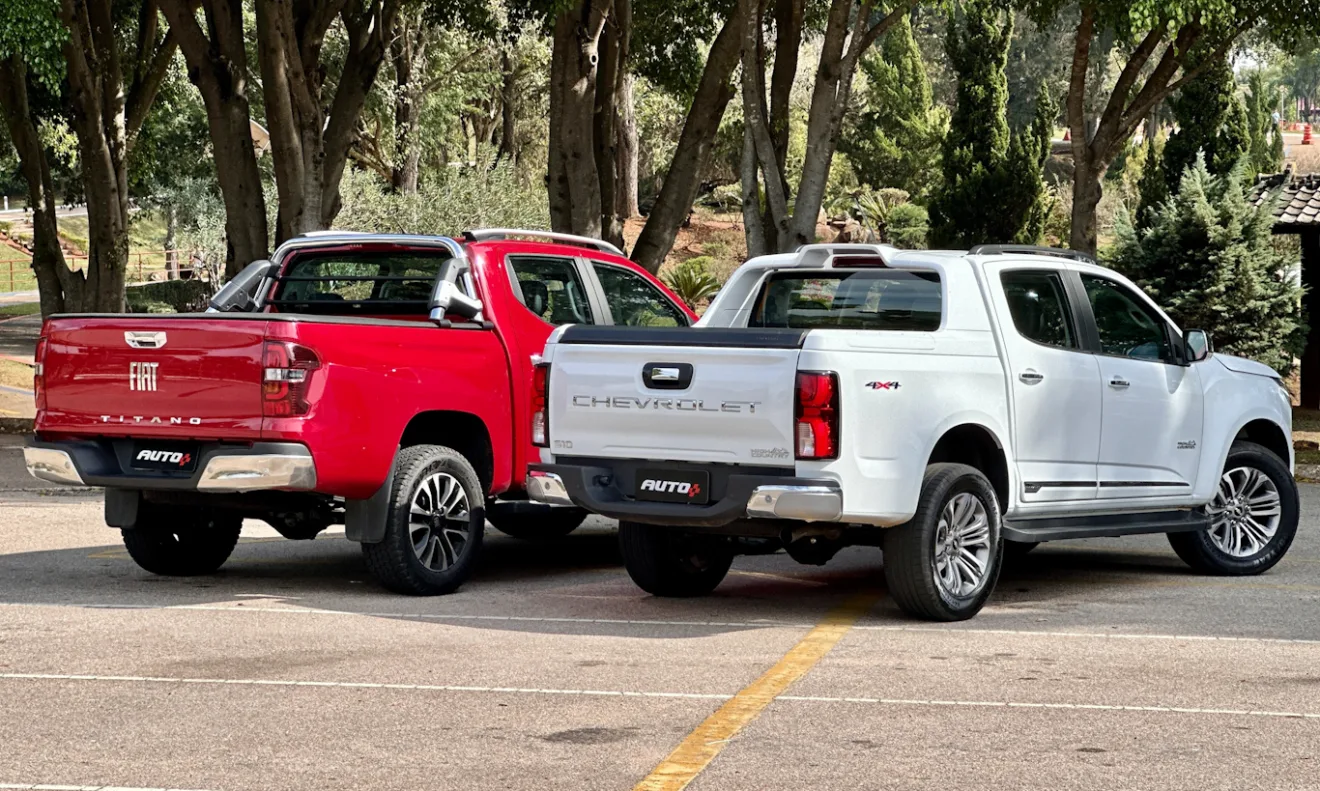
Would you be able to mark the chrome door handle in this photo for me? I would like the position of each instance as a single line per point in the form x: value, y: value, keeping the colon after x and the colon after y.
x: 1031, y: 377
x: 664, y: 374
x: 1119, y: 382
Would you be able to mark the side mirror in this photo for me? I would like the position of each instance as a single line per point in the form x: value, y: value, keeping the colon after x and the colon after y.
x: 1197, y: 344
x: 239, y: 294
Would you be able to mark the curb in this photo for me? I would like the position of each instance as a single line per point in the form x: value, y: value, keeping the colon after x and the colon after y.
x: 1309, y: 473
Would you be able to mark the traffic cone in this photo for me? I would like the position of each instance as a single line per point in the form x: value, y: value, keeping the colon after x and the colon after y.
x: 1067, y: 135
x: 1306, y: 135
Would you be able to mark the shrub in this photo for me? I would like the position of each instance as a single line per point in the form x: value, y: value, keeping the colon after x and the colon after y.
x: 908, y: 226
x: 1208, y: 258
x: 448, y: 203
x: 692, y: 282
x: 168, y: 296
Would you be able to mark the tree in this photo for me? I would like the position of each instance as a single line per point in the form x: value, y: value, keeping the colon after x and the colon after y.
x: 992, y: 189
x: 1208, y: 259
x: 114, y: 60
x: 849, y: 33
x: 312, y: 122
x: 896, y: 140
x: 1266, y: 140
x: 218, y: 66
x: 1160, y: 36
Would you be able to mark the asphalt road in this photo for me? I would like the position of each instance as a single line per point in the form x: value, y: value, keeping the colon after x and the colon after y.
x: 1098, y: 664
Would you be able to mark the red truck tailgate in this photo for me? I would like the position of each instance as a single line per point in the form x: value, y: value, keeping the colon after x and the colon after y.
x: 154, y: 376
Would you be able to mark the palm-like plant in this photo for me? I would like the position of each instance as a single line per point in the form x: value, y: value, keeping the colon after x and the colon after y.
x: 691, y: 282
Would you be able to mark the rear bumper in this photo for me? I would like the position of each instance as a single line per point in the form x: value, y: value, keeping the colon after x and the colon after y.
x: 220, y: 467
x: 601, y: 488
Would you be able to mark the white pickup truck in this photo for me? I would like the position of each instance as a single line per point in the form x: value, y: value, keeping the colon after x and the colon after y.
x: 948, y: 407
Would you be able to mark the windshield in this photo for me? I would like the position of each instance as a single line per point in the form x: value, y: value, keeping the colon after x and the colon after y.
x: 367, y: 283
x: 880, y: 299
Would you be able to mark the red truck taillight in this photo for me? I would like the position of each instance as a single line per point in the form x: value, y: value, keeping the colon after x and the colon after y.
x: 816, y: 408
x: 541, y: 405
x: 286, y: 377
x: 39, y: 373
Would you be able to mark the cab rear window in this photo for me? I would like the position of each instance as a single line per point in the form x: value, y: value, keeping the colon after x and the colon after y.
x: 367, y: 283
x: 881, y: 299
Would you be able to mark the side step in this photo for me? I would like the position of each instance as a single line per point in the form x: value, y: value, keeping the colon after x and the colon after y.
x: 1057, y: 528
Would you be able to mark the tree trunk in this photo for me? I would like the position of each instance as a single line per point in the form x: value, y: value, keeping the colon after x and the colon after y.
x: 610, y: 76
x: 171, y: 232
x: 408, y: 54
x: 788, y: 42
x: 627, y: 199
x: 758, y: 129
x: 753, y: 221
x: 508, y: 107
x: 59, y: 288
x: 682, y: 179
x: 311, y: 134
x: 218, y: 67
x: 1088, y: 188
x: 575, y: 203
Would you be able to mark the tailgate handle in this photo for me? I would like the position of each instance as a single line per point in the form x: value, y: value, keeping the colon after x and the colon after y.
x: 145, y: 340
x: 667, y: 376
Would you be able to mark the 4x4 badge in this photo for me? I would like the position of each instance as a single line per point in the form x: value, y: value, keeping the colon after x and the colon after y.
x: 882, y: 385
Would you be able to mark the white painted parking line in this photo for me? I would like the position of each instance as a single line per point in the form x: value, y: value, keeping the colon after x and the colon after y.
x: 754, y: 624
x: 46, y: 787
x: 615, y: 693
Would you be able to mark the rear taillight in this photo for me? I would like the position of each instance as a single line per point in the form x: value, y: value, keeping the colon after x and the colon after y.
x: 286, y: 378
x: 540, y: 405
x: 817, y: 413
x: 39, y: 373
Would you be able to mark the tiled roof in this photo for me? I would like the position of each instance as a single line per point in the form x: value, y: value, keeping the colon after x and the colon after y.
x: 1298, y: 206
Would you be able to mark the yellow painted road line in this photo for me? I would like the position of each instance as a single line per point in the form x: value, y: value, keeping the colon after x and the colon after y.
x: 701, y: 746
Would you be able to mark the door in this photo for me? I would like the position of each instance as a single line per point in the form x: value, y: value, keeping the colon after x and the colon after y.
x: 1152, y: 406
x: 633, y: 301
x: 1055, y: 385
x: 553, y: 288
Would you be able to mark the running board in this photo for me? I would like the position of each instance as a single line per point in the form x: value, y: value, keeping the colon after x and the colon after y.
x: 1103, y: 526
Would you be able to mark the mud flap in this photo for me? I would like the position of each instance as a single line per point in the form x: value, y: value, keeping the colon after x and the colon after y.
x: 364, y: 520
x: 121, y: 507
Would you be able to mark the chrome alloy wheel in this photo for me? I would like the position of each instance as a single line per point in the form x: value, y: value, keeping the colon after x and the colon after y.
x: 962, y: 546
x: 439, y: 523
x: 1245, y: 513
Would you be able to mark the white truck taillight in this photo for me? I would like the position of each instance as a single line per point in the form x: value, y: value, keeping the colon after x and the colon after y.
x: 540, y: 405
x: 286, y: 378
x: 816, y: 412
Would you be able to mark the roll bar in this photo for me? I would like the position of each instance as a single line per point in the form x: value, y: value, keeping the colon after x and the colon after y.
x: 488, y: 234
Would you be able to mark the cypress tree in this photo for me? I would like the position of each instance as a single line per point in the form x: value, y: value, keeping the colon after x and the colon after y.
x: 1210, y: 118
x: 992, y: 189
x: 1207, y: 258
x: 1266, y: 143
x: 896, y: 141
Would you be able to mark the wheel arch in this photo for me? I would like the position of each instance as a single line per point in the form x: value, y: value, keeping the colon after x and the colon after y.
x: 462, y: 431
x: 1269, y: 435
x: 977, y: 446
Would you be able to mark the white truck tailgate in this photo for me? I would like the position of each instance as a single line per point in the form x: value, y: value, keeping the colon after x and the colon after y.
x: 675, y: 395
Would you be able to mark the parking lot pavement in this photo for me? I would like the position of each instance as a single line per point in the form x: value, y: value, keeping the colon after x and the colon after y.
x: 1098, y: 664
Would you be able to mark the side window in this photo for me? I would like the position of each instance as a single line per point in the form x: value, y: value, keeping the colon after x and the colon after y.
x: 635, y: 302
x: 552, y: 289
x: 1127, y: 325
x: 1039, y: 305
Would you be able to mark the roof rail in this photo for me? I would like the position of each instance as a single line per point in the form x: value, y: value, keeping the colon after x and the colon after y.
x: 812, y: 255
x: 486, y: 234
x: 1008, y: 249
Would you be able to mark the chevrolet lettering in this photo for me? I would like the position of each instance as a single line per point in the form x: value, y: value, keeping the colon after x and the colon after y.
x: 680, y: 404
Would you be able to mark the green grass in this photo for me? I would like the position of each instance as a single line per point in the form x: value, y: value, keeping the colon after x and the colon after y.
x: 19, y: 309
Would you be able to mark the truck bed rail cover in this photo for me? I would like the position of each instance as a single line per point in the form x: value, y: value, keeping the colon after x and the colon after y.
x: 719, y: 337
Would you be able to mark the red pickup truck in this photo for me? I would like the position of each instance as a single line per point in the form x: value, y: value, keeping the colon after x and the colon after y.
x: 379, y: 381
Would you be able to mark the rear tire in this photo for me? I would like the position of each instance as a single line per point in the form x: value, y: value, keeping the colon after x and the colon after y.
x: 534, y: 520
x: 666, y: 562
x: 943, y: 564
x: 1253, y: 517
x: 433, y: 534
x: 181, y: 542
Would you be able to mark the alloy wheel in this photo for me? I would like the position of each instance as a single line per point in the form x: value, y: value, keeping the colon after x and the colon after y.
x: 1245, y: 513
x: 962, y: 546
x: 440, y: 524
